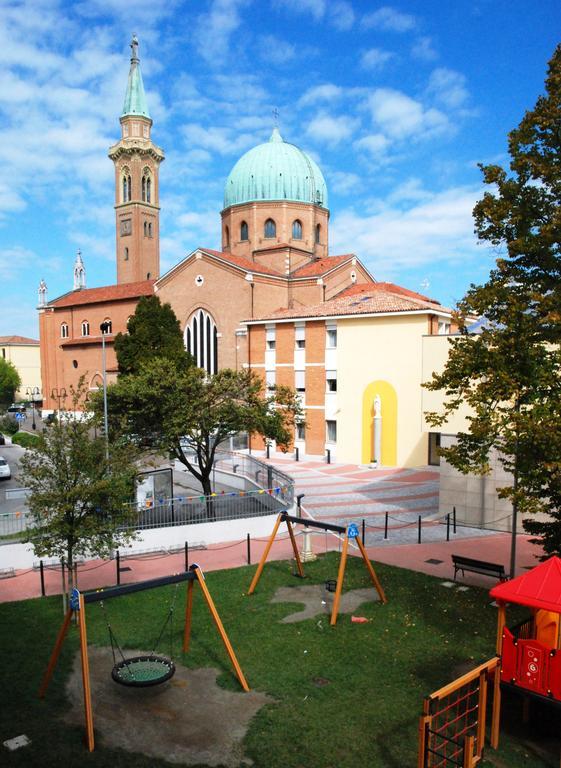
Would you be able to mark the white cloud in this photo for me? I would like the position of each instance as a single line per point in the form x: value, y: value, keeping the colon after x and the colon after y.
x: 331, y: 130
x: 423, y: 49
x: 399, y: 116
x: 375, y: 58
x: 215, y: 28
x: 341, y: 15
x: 225, y: 141
x: 389, y: 20
x: 376, y: 144
x: 448, y: 87
x: 315, y: 7
x: 275, y: 50
x: 326, y: 92
x: 343, y: 182
x: 438, y: 228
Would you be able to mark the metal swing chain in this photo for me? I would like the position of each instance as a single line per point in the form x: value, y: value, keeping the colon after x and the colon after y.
x: 113, y: 639
x: 169, y: 620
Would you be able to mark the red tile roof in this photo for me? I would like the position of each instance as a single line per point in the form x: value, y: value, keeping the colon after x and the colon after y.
x: 241, y: 261
x: 321, y: 266
x: 374, y: 300
x: 354, y: 290
x: 104, y: 293
x: 86, y: 340
x: 7, y: 340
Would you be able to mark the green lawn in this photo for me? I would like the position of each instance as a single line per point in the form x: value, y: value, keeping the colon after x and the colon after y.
x: 365, y: 715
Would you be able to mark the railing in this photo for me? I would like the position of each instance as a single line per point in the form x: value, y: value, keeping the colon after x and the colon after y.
x: 266, y: 490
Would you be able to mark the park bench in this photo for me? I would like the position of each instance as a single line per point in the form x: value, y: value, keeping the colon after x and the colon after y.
x: 463, y: 564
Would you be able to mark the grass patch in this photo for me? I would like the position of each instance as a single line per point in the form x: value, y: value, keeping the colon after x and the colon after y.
x: 345, y: 697
x: 26, y: 439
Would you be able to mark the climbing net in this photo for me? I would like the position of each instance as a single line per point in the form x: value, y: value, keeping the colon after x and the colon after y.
x: 453, y: 724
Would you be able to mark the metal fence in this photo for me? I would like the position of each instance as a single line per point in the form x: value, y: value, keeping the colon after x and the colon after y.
x: 265, y: 490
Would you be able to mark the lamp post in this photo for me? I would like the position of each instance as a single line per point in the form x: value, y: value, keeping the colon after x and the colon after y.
x: 105, y: 328
x: 58, y: 394
x: 33, y: 392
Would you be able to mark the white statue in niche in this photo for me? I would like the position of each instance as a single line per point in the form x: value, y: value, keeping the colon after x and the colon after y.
x: 377, y: 430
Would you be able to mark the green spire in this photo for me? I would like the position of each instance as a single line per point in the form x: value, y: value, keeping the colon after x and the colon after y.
x: 135, y: 98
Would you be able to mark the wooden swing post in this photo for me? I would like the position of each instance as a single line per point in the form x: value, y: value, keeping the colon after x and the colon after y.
x: 264, y: 556
x: 340, y: 579
x: 188, y: 614
x: 55, y: 653
x: 86, y: 686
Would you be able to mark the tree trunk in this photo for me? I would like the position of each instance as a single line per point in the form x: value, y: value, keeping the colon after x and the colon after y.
x: 209, y: 501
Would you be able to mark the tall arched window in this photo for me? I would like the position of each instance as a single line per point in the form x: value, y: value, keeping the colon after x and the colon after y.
x: 145, y: 229
x: 108, y: 326
x: 270, y: 228
x: 64, y: 331
x: 150, y: 229
x: 226, y: 236
x: 201, y: 340
x: 127, y: 186
x: 244, y: 231
x: 126, y: 256
x: 297, y: 229
x: 318, y: 233
x: 85, y: 328
x: 146, y: 186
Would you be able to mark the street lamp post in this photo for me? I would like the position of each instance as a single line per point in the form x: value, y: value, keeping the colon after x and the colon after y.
x: 105, y: 328
x: 33, y: 392
x: 58, y: 394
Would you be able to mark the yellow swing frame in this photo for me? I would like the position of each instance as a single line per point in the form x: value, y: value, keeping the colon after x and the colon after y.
x: 350, y: 532
x: 78, y: 602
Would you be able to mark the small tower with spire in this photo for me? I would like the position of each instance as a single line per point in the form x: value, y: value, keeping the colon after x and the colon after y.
x: 42, y: 294
x: 137, y: 161
x: 79, y: 272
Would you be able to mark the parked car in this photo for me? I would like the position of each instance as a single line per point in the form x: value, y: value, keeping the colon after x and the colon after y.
x: 5, y: 472
x: 17, y: 408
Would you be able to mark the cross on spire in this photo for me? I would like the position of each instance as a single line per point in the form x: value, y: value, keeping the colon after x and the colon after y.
x: 134, y: 48
x: 275, y: 114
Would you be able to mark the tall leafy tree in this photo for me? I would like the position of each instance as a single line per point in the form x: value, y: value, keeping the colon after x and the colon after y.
x: 79, y: 495
x: 153, y: 331
x: 10, y: 381
x: 508, y: 372
x: 187, y: 413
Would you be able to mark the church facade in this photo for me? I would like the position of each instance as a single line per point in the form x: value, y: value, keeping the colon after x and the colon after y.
x: 271, y: 291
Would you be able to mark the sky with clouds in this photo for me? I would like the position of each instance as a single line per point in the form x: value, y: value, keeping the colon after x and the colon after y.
x: 396, y: 102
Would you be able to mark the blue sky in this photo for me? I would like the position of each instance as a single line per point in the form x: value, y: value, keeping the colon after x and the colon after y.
x: 396, y: 102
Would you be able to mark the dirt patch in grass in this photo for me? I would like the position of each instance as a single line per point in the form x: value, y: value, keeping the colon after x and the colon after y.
x: 187, y: 720
x: 318, y: 601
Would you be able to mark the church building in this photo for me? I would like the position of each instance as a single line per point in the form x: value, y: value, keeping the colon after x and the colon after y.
x: 266, y: 289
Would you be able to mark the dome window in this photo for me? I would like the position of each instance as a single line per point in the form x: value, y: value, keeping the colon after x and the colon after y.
x: 227, y: 237
x: 270, y: 228
x: 318, y: 234
x: 297, y: 230
x: 244, y: 231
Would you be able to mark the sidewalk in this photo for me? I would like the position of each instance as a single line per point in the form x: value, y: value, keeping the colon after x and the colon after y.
x: 333, y: 493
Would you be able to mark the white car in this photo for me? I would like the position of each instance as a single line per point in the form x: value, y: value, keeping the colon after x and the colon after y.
x: 5, y: 472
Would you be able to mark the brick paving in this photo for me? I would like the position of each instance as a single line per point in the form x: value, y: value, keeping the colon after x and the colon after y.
x: 333, y: 493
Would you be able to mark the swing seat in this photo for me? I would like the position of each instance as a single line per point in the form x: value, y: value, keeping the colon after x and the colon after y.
x: 143, y: 671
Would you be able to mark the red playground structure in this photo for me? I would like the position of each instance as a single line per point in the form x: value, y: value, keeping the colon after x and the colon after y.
x: 530, y: 652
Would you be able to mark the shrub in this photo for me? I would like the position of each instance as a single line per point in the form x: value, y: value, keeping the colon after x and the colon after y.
x: 8, y: 425
x: 26, y: 439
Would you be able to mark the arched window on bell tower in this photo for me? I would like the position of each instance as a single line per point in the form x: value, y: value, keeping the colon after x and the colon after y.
x: 146, y: 186
x: 201, y: 340
x: 127, y: 185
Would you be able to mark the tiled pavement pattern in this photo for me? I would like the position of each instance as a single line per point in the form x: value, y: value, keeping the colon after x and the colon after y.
x: 345, y: 493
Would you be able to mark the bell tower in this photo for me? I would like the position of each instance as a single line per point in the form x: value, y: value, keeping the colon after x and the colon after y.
x: 137, y: 161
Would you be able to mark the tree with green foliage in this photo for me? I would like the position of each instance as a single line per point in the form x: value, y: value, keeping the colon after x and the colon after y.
x: 10, y: 381
x: 153, y: 331
x: 509, y: 372
x: 79, y: 498
x: 186, y: 413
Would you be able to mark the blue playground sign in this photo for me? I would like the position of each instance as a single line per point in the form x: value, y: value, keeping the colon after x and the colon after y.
x: 75, y: 600
x: 20, y: 416
x: 352, y: 531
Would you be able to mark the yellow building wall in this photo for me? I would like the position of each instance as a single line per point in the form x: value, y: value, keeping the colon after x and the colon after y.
x: 381, y: 356
x: 27, y: 359
x: 435, y: 352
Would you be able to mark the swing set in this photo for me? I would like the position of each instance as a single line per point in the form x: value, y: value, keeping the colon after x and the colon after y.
x: 350, y: 533
x: 135, y: 671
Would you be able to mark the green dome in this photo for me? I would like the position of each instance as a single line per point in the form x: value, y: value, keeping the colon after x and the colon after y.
x: 275, y: 170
